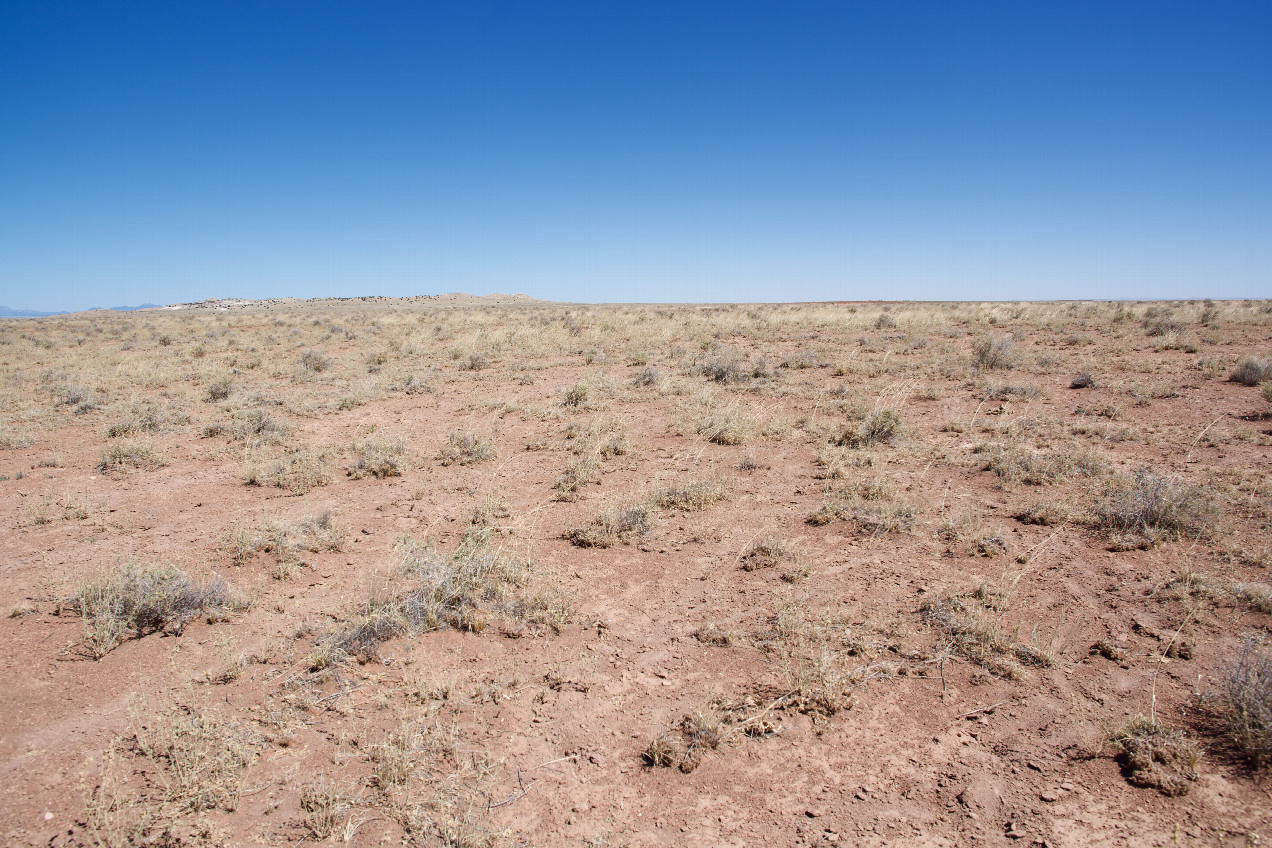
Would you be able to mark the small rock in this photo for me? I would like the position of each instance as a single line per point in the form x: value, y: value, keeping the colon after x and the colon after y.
x: 812, y: 812
x: 1016, y: 830
x: 1067, y: 786
x: 1049, y: 795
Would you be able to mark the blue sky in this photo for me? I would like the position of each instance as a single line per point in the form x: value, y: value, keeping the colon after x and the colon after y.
x: 600, y: 151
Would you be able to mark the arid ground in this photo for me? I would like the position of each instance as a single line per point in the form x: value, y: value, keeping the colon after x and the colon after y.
x: 468, y: 572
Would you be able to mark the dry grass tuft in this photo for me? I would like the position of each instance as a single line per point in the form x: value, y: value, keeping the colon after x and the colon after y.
x: 463, y: 589
x: 689, y: 497
x: 993, y: 353
x: 122, y: 456
x: 879, y: 427
x: 872, y: 505
x: 299, y: 471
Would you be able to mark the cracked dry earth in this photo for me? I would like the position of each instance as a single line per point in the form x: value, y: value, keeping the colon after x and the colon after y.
x: 788, y: 623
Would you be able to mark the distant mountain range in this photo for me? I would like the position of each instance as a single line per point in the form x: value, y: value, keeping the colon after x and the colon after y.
x: 6, y: 312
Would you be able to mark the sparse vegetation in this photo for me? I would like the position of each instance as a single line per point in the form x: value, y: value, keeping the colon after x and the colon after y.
x: 992, y: 353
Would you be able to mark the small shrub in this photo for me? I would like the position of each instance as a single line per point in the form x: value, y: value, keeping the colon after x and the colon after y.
x: 1251, y: 371
x: 1153, y: 507
x: 314, y: 362
x: 379, y: 458
x: 460, y: 590
x: 1245, y: 696
x: 1038, y: 468
x: 256, y: 426
x: 578, y: 472
x: 465, y: 449
x: 977, y: 634
x: 646, y: 376
x: 219, y: 389
x: 871, y: 505
x: 1157, y: 757
x: 143, y: 600
x: 474, y: 362
x: 993, y: 353
x: 689, y: 497
x: 728, y: 425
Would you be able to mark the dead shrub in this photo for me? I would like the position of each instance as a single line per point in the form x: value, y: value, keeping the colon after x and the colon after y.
x: 142, y: 599
x: 465, y: 448
x: 299, y: 471
x: 1251, y: 371
x: 871, y: 505
x: 611, y: 527
x: 379, y: 458
x: 689, y: 497
x: 122, y: 456
x: 1156, y: 757
x: 880, y: 427
x: 1245, y: 697
x: 991, y: 353
x: 314, y: 362
x: 1152, y: 507
x: 463, y: 589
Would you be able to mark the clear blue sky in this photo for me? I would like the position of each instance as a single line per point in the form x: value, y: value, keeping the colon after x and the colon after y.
x: 601, y: 151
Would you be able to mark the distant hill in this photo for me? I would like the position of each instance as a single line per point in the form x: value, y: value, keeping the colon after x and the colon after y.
x: 6, y: 312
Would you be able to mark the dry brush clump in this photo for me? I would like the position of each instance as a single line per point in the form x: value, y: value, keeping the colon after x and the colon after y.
x: 993, y: 353
x: 122, y: 456
x: 465, y: 448
x: 298, y: 470
x: 973, y: 624
x: 1251, y: 371
x: 1156, y: 757
x: 879, y: 427
x: 143, y: 599
x: 612, y: 526
x: 1244, y: 696
x: 872, y: 505
x: 464, y: 589
x: 1017, y: 464
x: 1146, y: 508
x: 192, y: 761
x: 377, y: 457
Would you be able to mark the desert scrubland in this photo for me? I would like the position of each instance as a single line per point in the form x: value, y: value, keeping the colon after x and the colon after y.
x: 465, y: 572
